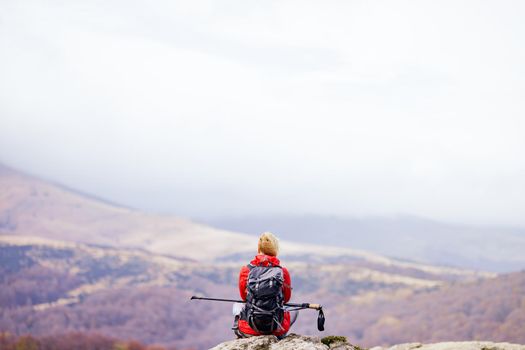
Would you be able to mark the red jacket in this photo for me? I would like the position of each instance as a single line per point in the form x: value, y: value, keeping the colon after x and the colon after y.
x: 263, y: 260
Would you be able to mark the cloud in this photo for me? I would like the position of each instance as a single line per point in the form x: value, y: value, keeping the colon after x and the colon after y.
x: 345, y: 107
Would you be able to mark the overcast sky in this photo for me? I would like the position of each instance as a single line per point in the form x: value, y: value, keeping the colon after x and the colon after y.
x: 204, y: 108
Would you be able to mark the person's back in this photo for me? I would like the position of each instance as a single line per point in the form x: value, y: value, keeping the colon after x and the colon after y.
x: 265, y: 286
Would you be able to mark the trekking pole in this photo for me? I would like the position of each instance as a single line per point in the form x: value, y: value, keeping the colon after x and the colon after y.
x: 318, y: 307
x: 299, y: 306
x: 216, y: 299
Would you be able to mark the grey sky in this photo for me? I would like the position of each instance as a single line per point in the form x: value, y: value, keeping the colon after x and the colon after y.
x: 233, y: 107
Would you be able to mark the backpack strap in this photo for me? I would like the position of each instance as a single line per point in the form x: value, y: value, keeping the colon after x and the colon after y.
x: 251, y: 266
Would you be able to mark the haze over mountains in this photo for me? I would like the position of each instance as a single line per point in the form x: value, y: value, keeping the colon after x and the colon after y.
x: 70, y: 262
x: 33, y: 207
x: 498, y: 249
x: 29, y: 204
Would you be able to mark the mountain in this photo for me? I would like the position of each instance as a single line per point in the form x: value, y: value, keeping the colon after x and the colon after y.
x: 49, y: 287
x: 72, y: 340
x: 52, y: 287
x: 33, y: 207
x: 70, y: 262
x: 487, y: 309
x: 495, y: 249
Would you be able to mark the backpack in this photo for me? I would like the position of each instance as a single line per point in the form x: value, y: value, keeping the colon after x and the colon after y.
x: 264, y: 309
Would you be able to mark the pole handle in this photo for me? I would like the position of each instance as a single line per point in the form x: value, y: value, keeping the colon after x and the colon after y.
x: 315, y: 306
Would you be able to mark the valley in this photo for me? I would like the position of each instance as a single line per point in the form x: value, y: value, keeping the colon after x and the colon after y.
x: 70, y: 262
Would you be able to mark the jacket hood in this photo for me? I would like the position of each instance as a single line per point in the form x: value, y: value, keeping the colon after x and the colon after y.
x: 265, y: 260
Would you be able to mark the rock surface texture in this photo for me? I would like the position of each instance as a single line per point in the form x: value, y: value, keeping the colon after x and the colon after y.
x: 291, y: 342
x: 466, y: 345
x: 299, y: 342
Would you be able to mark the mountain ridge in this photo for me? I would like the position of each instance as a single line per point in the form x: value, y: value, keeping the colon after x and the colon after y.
x: 490, y: 248
x: 72, y: 263
x: 112, y: 289
x: 34, y: 207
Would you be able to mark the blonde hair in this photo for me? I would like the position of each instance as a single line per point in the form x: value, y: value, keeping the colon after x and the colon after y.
x: 268, y: 244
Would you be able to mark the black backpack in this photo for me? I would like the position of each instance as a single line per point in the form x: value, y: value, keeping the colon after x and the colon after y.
x: 264, y: 309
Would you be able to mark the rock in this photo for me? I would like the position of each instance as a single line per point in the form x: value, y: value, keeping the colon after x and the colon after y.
x: 335, y: 342
x: 301, y: 342
x: 291, y: 342
x: 466, y: 345
x: 253, y: 343
x: 407, y: 346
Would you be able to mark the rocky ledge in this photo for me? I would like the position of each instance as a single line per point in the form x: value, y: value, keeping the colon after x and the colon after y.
x: 300, y: 342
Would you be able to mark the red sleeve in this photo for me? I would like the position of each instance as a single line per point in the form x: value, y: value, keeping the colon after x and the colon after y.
x: 243, y: 279
x: 287, y: 286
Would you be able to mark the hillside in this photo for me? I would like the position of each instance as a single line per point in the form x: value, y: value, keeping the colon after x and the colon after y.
x: 70, y: 262
x: 49, y: 286
x: 72, y: 340
x: 495, y: 248
x: 490, y: 309
x: 33, y: 207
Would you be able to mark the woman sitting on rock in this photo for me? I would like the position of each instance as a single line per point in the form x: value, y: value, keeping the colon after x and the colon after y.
x: 265, y: 286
